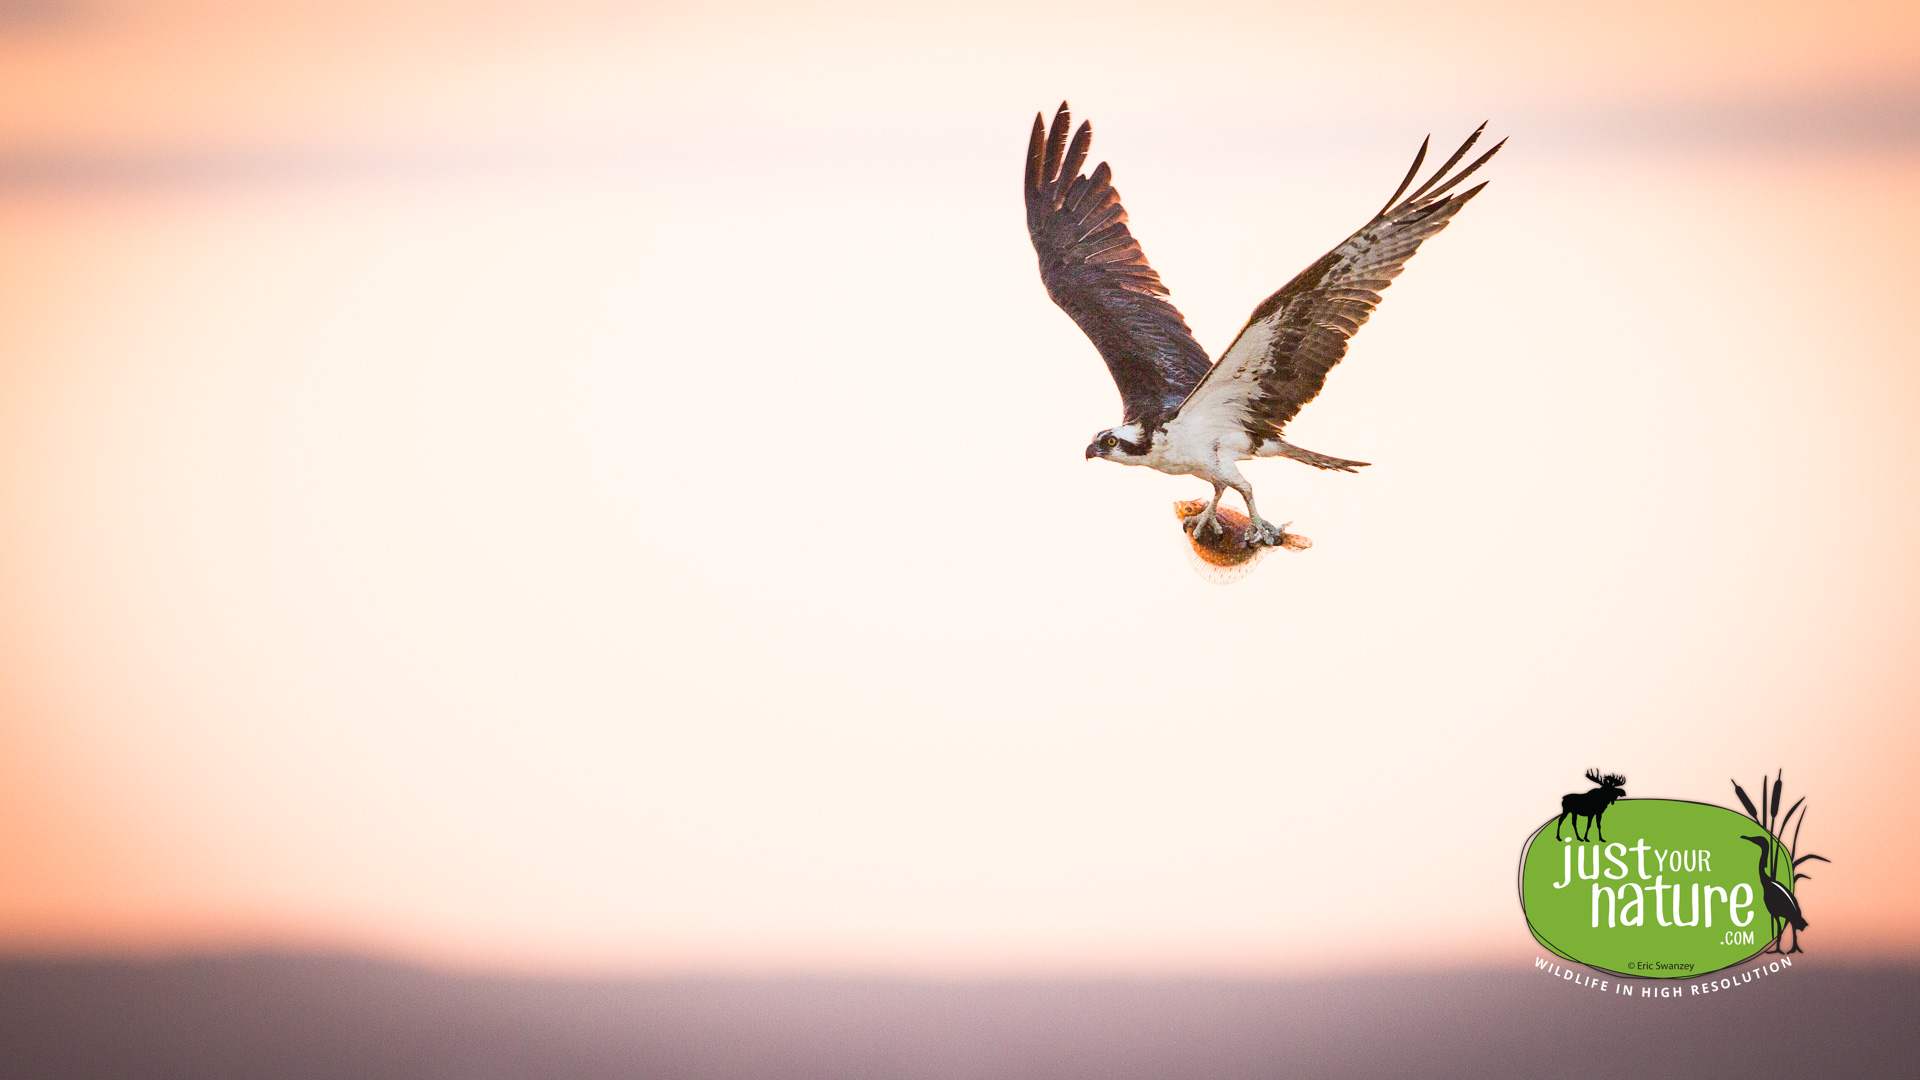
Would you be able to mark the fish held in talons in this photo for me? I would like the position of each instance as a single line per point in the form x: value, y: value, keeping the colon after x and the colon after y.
x: 1226, y: 554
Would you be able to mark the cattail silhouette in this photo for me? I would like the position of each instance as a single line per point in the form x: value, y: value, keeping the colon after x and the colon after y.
x: 1783, y: 905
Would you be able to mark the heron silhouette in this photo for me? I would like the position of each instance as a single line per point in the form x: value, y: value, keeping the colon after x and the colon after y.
x: 1780, y: 903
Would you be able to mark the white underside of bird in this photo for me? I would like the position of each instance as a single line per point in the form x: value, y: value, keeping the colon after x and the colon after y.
x: 1208, y: 437
x: 1211, y: 447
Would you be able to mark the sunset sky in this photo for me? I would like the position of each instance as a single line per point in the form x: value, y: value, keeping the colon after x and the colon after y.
x: 598, y: 487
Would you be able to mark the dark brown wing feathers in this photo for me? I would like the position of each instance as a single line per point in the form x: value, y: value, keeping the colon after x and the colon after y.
x: 1303, y: 329
x: 1094, y: 269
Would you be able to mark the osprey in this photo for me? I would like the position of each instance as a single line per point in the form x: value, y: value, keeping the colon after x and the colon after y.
x: 1183, y: 415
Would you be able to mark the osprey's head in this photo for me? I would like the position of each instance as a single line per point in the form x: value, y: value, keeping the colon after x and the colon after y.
x: 1126, y: 444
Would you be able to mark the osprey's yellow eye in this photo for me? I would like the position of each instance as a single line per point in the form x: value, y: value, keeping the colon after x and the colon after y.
x: 1110, y: 442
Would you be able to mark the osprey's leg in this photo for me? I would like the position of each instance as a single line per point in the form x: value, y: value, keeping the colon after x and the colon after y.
x: 1206, y: 519
x: 1262, y: 532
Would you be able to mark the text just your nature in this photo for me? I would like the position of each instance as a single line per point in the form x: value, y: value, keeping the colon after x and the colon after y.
x: 1626, y: 904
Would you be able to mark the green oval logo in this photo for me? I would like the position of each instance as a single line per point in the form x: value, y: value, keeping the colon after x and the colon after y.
x: 1675, y: 889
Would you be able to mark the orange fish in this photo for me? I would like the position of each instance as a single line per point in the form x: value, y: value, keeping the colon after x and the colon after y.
x: 1225, y: 556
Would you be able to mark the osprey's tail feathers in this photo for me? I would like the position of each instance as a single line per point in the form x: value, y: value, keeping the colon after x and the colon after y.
x: 1281, y: 448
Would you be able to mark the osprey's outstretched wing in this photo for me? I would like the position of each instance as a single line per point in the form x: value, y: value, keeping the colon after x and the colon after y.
x: 1281, y: 357
x: 1095, y: 271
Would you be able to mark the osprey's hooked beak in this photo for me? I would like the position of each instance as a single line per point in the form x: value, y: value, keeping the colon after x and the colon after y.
x: 1093, y: 451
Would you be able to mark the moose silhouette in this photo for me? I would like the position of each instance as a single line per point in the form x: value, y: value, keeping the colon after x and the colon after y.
x: 1591, y: 804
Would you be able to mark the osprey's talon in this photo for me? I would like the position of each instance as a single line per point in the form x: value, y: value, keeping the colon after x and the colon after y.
x: 1265, y: 533
x: 1199, y: 521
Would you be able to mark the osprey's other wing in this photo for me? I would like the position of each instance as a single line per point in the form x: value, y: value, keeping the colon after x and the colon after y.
x: 1281, y: 357
x: 1095, y: 271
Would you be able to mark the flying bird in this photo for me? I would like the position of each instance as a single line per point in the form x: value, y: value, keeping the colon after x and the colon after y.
x: 1182, y: 414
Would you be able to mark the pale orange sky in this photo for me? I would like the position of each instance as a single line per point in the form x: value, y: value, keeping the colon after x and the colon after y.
x: 435, y: 442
